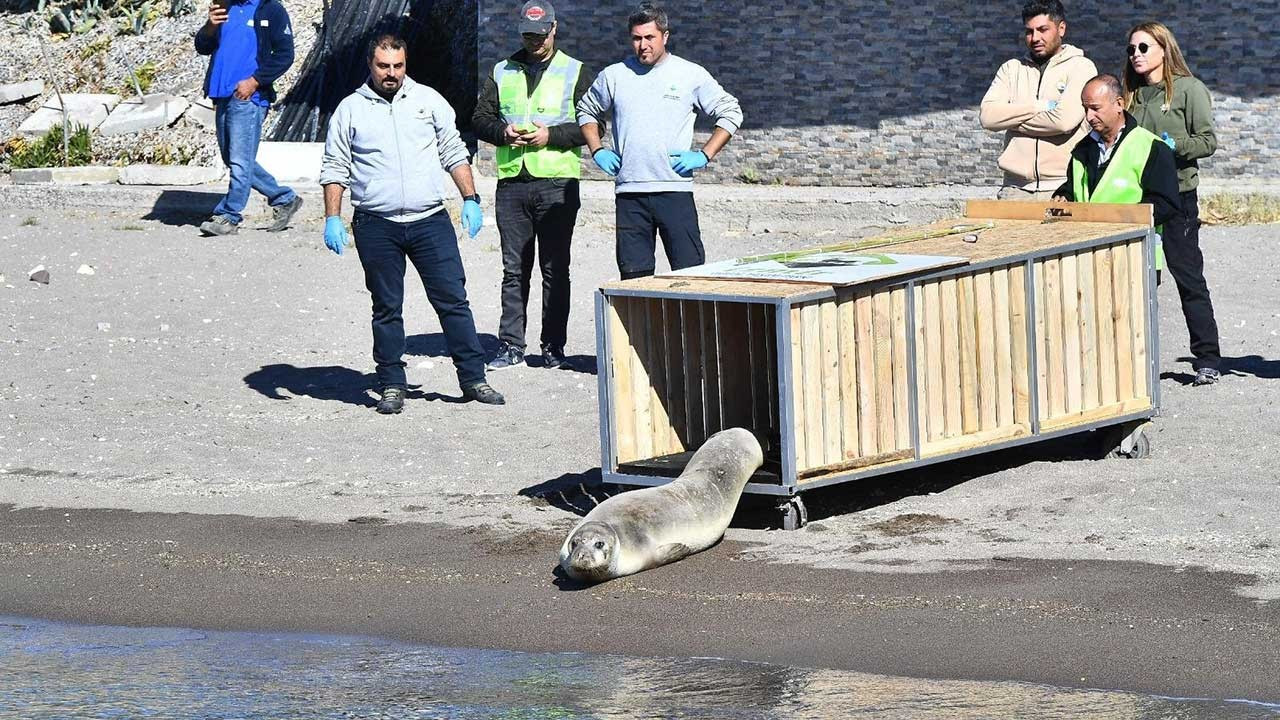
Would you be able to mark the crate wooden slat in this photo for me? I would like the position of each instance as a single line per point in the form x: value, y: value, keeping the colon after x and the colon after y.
x: 1047, y: 329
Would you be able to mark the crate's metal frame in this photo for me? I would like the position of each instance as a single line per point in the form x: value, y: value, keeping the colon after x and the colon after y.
x: 789, y: 485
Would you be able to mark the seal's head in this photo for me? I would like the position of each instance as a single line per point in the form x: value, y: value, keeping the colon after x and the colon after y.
x: 590, y: 552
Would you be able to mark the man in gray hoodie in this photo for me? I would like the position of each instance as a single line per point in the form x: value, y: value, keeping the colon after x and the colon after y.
x: 653, y: 96
x: 385, y: 142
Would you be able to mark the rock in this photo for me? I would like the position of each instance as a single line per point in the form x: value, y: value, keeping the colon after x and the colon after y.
x: 104, y: 327
x: 85, y: 270
x: 39, y: 274
x: 152, y: 111
x: 18, y: 92
x: 84, y: 110
x: 292, y: 162
x: 202, y: 113
x: 84, y: 175
x: 169, y: 175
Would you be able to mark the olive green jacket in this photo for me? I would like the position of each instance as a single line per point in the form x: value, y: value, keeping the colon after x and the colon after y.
x: 1188, y: 120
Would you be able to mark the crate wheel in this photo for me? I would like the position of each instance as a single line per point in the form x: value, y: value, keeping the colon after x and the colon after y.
x: 794, y: 514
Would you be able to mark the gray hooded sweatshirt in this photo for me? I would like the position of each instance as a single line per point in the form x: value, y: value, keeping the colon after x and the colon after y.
x: 653, y: 111
x: 387, y: 153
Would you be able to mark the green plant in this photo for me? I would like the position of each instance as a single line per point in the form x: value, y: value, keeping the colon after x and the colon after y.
x: 30, y: 222
x: 750, y: 176
x: 81, y: 16
x: 93, y: 49
x: 47, y: 151
x: 146, y: 75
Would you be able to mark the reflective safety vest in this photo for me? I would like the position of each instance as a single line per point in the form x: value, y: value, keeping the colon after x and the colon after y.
x: 1121, y: 181
x: 551, y: 104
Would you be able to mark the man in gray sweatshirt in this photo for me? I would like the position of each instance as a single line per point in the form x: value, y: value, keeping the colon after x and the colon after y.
x: 653, y: 96
x: 385, y: 142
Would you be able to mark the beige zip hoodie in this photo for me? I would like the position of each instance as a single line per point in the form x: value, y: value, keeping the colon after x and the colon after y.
x: 1041, y: 115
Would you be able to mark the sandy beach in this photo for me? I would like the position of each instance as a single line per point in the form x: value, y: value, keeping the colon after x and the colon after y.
x: 187, y: 438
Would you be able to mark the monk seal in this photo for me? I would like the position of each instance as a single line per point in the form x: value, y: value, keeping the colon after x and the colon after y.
x: 643, y: 529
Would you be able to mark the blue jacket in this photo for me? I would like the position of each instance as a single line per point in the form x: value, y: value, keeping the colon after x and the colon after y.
x: 275, y: 46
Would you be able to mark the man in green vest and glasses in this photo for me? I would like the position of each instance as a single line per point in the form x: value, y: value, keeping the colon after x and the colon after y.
x: 1121, y: 162
x: 1118, y: 161
x: 526, y: 109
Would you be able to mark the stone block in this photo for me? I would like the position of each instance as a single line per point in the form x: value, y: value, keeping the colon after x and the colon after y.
x: 85, y: 175
x: 84, y: 110
x: 152, y: 111
x: 202, y: 113
x: 19, y: 92
x: 169, y: 175
x: 291, y: 162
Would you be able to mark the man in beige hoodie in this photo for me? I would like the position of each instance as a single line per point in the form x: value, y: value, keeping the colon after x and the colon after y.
x: 1035, y: 99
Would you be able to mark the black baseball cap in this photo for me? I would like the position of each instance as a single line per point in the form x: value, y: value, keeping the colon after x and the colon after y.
x: 537, y: 16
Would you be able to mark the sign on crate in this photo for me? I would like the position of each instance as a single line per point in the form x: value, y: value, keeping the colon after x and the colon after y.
x: 841, y: 267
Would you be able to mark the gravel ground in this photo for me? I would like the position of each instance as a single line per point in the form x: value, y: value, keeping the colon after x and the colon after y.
x: 232, y: 376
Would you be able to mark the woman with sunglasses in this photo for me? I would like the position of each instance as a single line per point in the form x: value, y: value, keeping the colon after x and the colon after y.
x: 1165, y: 98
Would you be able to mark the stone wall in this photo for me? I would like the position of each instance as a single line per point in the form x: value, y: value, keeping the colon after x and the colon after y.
x: 886, y: 93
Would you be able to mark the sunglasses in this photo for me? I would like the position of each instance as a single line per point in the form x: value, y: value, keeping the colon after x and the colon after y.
x: 1141, y: 48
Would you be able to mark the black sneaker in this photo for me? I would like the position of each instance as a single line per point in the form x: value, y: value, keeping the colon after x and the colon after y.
x: 219, y: 225
x: 1206, y: 376
x: 508, y: 356
x: 282, y: 214
x: 553, y: 356
x: 481, y: 392
x: 392, y: 401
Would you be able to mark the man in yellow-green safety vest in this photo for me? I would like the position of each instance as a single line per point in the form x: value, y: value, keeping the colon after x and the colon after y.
x: 1121, y: 162
x: 526, y: 109
x: 1118, y: 161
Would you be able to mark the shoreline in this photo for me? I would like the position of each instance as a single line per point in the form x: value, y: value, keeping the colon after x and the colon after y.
x: 1076, y: 624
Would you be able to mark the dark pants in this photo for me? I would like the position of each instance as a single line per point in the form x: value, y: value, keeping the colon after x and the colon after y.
x: 239, y: 127
x: 640, y: 215
x: 536, y: 215
x: 432, y: 246
x: 1186, y: 265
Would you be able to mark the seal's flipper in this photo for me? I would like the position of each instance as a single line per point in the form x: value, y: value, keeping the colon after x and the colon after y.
x: 670, y: 553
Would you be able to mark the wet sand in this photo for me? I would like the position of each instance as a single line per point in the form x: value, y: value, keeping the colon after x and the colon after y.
x: 1120, y: 626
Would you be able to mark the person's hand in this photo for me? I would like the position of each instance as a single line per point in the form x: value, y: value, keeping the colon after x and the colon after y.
x: 608, y: 161
x: 685, y: 162
x: 472, y: 217
x: 513, y: 135
x: 537, y: 137
x: 1168, y: 140
x: 217, y: 14
x: 1051, y: 105
x: 246, y: 88
x: 335, y: 234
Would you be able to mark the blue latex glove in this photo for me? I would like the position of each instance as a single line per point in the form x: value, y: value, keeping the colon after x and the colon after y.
x: 1053, y: 105
x: 685, y: 162
x: 335, y: 234
x: 1168, y: 140
x: 472, y: 217
x: 608, y: 161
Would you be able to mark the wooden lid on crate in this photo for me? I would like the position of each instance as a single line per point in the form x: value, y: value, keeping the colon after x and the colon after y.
x: 990, y: 230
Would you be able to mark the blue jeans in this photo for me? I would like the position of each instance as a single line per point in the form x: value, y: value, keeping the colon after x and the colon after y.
x: 432, y: 246
x: 239, y: 127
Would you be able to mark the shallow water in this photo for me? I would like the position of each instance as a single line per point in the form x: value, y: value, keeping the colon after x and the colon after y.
x: 50, y: 670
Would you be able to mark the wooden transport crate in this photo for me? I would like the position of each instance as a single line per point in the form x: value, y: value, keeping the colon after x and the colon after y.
x: 1048, y: 329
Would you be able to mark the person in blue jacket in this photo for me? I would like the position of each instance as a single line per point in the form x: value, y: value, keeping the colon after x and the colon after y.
x: 251, y: 45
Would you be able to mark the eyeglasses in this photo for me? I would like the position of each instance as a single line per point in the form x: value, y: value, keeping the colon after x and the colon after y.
x: 1140, y: 48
